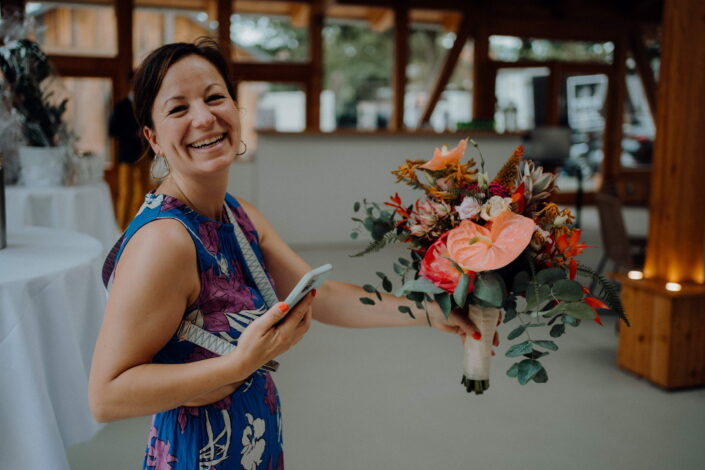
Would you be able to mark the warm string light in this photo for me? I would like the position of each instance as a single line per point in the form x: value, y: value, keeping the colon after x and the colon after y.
x: 673, y: 286
x: 636, y: 275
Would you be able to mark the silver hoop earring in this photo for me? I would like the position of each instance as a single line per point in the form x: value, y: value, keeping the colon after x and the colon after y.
x: 244, y: 151
x: 160, y: 167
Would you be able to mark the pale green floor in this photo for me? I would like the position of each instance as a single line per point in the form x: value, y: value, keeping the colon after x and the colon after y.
x: 391, y: 399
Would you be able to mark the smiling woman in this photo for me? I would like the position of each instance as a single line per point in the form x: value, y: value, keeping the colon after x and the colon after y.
x: 198, y: 255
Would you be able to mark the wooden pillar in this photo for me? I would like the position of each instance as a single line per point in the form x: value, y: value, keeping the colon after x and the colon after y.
x: 667, y: 341
x: 401, y: 58
x: 224, y: 9
x: 614, y: 112
x: 483, y: 93
x: 314, y: 86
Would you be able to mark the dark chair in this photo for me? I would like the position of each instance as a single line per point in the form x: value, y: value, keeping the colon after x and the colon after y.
x: 625, y: 252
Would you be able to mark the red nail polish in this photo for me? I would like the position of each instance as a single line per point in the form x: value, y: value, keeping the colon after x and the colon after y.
x: 313, y: 293
x: 476, y: 335
x: 283, y: 308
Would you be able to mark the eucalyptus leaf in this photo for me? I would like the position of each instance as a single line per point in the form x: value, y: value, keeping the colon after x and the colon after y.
x: 404, y: 262
x: 541, y: 376
x: 369, y: 288
x: 516, y: 332
x: 557, y: 330
x: 550, y: 275
x: 354, y: 235
x: 381, y: 275
x: 461, y: 289
x: 356, y: 206
x: 571, y: 321
x: 567, y: 290
x: 536, y: 354
x: 579, y: 310
x: 445, y: 303
x: 536, y: 296
x: 404, y: 309
x: 514, y: 370
x: 528, y: 368
x: 519, y: 349
x: 379, y: 296
x: 367, y: 301
x: 550, y: 345
x: 398, y: 269
x: 422, y: 285
x: 387, y: 284
x: 489, y: 287
x: 510, y: 314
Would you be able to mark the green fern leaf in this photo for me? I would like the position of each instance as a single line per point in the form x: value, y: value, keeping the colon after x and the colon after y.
x: 609, y: 291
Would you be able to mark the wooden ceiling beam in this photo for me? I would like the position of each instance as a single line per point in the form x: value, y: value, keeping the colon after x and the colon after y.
x: 272, y: 72
x: 314, y: 85
x: 380, y: 19
x: 299, y: 14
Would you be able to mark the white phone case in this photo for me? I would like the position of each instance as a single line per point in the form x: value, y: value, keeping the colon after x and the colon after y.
x: 311, y: 280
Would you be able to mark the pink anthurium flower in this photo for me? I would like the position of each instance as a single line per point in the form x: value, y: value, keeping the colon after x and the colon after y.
x: 483, y: 248
x: 443, y: 157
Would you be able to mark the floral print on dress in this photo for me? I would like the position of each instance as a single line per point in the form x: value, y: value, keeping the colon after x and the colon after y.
x: 208, y: 233
x: 158, y: 456
x: 220, y: 295
x: 253, y: 443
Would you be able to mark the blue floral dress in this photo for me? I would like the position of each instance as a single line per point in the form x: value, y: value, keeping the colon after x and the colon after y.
x: 243, y: 430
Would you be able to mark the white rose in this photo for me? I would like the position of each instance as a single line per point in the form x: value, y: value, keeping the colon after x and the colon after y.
x: 468, y: 209
x: 495, y: 206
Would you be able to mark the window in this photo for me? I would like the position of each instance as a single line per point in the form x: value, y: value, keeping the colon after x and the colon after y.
x: 270, y: 106
x: 512, y: 49
x: 521, y: 98
x: 357, y: 74
x: 429, y: 45
x: 74, y: 29
x: 154, y: 27
x: 271, y: 32
x: 87, y: 112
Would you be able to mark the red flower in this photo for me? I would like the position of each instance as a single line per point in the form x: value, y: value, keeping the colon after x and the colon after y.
x: 594, y: 304
x: 437, y: 267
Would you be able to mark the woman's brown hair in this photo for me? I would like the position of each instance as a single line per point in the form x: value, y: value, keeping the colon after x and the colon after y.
x: 150, y: 75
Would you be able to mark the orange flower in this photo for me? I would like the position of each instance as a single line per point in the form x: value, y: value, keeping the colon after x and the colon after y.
x: 484, y: 248
x: 571, y: 246
x: 443, y: 157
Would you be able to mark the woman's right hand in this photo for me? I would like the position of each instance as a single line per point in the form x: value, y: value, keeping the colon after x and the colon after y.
x: 273, y: 333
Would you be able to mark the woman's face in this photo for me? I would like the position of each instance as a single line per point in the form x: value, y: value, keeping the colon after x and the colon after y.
x: 196, y: 123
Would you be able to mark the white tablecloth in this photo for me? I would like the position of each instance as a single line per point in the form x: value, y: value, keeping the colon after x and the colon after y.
x: 51, y: 307
x: 86, y: 209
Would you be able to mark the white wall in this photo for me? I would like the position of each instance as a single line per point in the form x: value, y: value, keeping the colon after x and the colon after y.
x: 306, y: 184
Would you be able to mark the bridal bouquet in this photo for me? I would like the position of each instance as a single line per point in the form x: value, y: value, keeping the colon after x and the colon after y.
x: 495, y: 250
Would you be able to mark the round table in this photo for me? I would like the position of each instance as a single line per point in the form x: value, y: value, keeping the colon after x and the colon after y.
x: 52, y: 303
x: 86, y: 209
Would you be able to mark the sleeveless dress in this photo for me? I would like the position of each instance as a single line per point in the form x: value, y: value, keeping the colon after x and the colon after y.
x: 243, y: 430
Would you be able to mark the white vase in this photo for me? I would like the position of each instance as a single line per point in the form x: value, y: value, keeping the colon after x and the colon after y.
x: 42, y: 166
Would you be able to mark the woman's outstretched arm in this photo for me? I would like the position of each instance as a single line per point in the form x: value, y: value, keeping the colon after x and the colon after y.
x: 337, y: 303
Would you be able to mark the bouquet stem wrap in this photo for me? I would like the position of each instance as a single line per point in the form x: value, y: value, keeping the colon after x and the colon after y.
x: 476, y: 368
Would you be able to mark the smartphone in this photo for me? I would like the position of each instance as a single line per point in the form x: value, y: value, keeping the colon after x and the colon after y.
x: 309, y: 281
